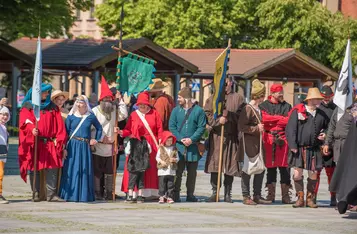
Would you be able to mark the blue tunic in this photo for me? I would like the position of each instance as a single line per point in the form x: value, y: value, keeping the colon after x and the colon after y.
x: 77, y: 182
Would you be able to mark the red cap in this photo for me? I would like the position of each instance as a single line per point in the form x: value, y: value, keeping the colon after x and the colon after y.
x: 166, y: 135
x: 276, y: 88
x: 143, y: 98
x: 105, y: 91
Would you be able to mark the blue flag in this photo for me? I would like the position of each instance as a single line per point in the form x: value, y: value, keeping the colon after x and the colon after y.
x: 37, y: 81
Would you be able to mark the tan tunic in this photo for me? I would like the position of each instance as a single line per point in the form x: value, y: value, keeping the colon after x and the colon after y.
x: 230, y: 145
x: 248, y: 125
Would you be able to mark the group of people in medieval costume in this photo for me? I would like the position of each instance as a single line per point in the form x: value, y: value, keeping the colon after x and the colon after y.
x: 76, y: 148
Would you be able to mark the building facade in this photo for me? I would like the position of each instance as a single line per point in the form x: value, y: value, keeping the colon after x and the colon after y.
x: 86, y: 24
x: 347, y: 7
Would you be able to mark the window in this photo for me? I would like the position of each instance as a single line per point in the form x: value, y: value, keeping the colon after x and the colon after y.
x: 78, y: 15
x: 91, y: 13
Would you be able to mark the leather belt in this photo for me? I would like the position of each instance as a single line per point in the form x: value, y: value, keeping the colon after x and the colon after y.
x: 81, y: 139
x: 46, y: 139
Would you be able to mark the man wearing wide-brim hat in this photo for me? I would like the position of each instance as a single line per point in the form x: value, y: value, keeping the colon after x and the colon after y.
x: 162, y: 102
x: 305, y: 136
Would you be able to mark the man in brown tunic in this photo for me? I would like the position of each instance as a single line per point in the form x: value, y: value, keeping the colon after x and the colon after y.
x: 163, y: 103
x: 230, y: 146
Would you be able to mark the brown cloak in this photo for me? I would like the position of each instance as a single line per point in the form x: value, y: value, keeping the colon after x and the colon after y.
x: 230, y: 145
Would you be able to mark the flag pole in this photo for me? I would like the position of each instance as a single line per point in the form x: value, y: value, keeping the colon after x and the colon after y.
x: 36, y: 138
x: 117, y: 107
x: 35, y: 164
x: 221, y: 144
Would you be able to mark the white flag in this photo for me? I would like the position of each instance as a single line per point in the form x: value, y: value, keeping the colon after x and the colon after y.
x: 343, y: 94
x: 37, y: 81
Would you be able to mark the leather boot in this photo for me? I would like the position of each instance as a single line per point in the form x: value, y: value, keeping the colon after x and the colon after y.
x: 260, y: 200
x: 271, y: 192
x: 51, y: 186
x: 108, y: 187
x: 97, y: 189
x: 299, y: 187
x: 285, y: 196
x: 310, y: 193
x: 333, y: 201
x: 300, y: 201
x: 212, y: 198
x: 228, y: 194
x: 36, y: 189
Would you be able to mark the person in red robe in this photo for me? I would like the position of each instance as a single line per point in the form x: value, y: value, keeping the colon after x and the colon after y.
x: 275, y: 113
x: 136, y: 127
x: 51, y: 137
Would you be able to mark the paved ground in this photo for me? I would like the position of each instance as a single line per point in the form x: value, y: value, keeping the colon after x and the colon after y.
x: 23, y: 216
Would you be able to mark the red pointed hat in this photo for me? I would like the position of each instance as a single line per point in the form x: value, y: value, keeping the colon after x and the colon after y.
x: 143, y: 98
x: 105, y: 91
x: 166, y: 135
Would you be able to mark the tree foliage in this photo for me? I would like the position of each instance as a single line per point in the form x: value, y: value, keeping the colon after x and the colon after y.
x: 301, y: 24
x: 22, y: 17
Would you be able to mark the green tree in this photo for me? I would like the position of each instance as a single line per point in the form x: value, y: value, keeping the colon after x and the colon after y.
x: 22, y: 17
x: 304, y: 25
x: 301, y: 24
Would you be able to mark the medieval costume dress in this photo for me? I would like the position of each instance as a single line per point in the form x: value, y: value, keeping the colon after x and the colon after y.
x: 103, y: 151
x: 302, y: 132
x: 274, y: 118
x: 189, y: 123
x: 77, y: 182
x: 327, y: 160
x: 250, y: 142
x: 344, y: 181
x: 136, y: 126
x: 51, y: 139
x: 230, y: 150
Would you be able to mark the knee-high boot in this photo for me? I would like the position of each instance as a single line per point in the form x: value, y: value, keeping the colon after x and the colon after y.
x: 108, y: 186
x: 36, y: 188
x: 299, y: 187
x: 311, y: 193
x: 214, y: 178
x: 329, y: 173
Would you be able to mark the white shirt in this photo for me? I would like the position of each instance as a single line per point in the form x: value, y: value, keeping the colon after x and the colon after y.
x: 105, y: 150
x: 168, y: 170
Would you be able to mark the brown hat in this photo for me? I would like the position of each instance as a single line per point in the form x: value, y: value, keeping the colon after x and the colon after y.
x: 313, y: 93
x: 185, y: 92
x: 158, y: 85
x: 258, y: 88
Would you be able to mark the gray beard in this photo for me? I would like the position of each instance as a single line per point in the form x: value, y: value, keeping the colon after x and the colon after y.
x: 107, y: 107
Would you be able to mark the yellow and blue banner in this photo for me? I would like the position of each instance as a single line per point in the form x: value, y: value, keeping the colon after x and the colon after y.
x: 219, y: 82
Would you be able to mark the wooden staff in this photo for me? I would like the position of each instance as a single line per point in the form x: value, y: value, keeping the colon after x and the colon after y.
x: 220, y: 163
x: 117, y: 108
x: 35, y: 165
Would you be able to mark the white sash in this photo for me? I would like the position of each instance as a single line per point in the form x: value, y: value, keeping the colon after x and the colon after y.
x: 141, y: 116
x: 77, y: 128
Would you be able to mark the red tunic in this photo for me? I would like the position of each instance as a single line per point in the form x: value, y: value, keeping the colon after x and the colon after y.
x: 134, y: 124
x: 50, y: 153
x: 275, y: 118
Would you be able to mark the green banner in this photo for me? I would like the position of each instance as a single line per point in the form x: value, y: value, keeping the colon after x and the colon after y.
x: 135, y: 75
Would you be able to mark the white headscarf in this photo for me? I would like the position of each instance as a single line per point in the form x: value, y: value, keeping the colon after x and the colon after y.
x: 74, y: 111
x: 5, y: 110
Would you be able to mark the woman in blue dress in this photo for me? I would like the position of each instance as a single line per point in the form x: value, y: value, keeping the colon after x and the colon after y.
x: 77, y: 182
